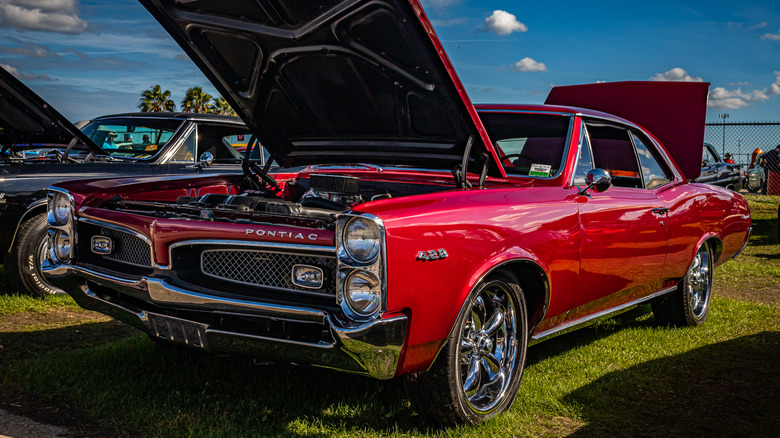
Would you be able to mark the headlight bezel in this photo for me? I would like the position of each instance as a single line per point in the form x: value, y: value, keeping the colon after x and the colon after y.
x: 349, y: 266
x: 373, y: 303
x: 372, y: 227
x: 61, y: 209
x: 59, y: 226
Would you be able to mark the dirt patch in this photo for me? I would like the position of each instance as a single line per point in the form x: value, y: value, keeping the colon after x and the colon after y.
x: 53, y: 318
x: 766, y: 295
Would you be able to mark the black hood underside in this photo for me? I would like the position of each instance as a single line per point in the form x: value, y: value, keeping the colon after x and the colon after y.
x: 330, y: 81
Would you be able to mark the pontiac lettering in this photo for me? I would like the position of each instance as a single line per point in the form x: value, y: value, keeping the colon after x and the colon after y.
x: 282, y: 234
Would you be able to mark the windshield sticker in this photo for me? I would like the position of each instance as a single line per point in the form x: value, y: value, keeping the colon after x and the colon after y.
x: 540, y: 170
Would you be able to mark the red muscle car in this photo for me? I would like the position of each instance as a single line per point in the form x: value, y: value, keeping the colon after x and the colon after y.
x: 407, y: 232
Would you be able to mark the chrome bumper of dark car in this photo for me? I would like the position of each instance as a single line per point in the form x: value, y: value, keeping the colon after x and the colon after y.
x: 371, y: 348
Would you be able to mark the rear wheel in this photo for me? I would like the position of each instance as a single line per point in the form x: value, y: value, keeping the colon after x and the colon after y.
x: 479, y: 370
x: 689, y: 305
x: 23, y: 262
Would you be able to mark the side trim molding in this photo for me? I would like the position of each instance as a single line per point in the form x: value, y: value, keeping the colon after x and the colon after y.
x: 596, y: 317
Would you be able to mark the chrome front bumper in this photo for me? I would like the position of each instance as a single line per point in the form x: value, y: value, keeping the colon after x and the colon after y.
x: 371, y: 348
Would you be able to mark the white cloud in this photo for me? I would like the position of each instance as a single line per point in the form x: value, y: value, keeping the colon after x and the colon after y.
x: 734, y: 99
x: 771, y: 36
x: 61, y: 16
x: 676, y: 74
x: 760, y: 25
x: 504, y: 23
x: 25, y: 76
x: 721, y: 97
x: 527, y: 64
x: 29, y: 49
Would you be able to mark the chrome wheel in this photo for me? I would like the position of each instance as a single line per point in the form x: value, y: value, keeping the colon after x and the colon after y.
x: 488, y: 347
x: 699, y: 283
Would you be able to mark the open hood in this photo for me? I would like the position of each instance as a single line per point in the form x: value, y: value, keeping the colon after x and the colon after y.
x: 332, y: 81
x: 27, y: 119
x: 674, y: 112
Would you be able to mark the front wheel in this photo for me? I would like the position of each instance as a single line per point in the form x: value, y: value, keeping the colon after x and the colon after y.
x: 23, y: 262
x: 689, y: 305
x: 479, y: 370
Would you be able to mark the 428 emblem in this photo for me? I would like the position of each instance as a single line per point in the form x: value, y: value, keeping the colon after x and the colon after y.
x: 433, y: 254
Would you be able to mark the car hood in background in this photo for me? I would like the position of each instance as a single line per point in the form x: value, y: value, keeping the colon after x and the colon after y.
x: 333, y: 81
x: 26, y: 119
x: 674, y: 112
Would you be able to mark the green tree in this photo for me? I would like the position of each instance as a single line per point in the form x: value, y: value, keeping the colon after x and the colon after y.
x: 196, y: 101
x: 221, y: 106
x: 156, y: 100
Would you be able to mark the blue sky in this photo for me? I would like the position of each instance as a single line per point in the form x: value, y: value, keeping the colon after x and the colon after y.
x: 90, y: 58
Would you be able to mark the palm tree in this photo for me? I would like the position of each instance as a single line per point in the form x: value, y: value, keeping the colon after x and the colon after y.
x: 221, y: 106
x: 156, y: 100
x: 196, y: 101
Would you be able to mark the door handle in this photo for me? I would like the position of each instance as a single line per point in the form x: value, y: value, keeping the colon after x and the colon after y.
x: 660, y: 210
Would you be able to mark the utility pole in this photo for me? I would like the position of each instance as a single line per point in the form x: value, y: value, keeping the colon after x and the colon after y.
x: 724, y: 117
x: 739, y: 150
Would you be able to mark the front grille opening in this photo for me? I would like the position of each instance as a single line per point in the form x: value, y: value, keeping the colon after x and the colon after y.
x: 254, y: 273
x: 128, y: 248
x: 131, y: 255
x: 265, y: 268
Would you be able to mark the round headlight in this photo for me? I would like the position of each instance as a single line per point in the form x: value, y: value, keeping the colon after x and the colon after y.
x: 363, y: 292
x: 62, y: 245
x: 362, y: 239
x: 61, y: 208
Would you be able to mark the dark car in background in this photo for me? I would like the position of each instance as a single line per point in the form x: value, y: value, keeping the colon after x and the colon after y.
x: 756, y: 180
x: 39, y: 147
x: 717, y: 172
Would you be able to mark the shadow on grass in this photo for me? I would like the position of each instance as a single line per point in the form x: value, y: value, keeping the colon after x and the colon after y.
x: 116, y: 374
x: 764, y: 232
x: 725, y: 389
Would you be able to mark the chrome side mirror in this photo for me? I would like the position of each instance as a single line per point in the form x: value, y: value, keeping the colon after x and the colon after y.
x: 597, y: 179
x: 206, y: 159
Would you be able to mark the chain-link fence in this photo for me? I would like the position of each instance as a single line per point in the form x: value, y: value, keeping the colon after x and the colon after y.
x: 742, y: 138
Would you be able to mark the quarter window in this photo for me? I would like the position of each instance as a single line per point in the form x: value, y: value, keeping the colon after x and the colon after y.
x: 585, y: 162
x: 653, y: 172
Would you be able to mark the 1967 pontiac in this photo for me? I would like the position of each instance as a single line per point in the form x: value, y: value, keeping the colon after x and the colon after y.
x: 407, y: 232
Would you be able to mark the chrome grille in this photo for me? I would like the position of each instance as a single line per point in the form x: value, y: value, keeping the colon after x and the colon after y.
x: 128, y: 248
x: 265, y: 268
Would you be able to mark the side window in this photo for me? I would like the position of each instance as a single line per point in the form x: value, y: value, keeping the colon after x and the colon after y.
x: 707, y: 158
x: 585, y: 162
x: 528, y: 144
x: 186, y: 152
x: 613, y: 151
x: 654, y: 172
x: 218, y: 140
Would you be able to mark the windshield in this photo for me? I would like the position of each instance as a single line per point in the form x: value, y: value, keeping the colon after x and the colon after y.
x: 132, y: 137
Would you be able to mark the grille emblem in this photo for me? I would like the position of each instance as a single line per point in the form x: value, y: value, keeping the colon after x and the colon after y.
x: 102, y: 245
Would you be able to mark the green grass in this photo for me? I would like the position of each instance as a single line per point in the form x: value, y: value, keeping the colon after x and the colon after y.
x: 618, y: 375
x: 757, y: 269
x: 14, y: 304
x: 625, y: 376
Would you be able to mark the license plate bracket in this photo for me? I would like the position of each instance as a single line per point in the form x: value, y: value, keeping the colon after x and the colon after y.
x: 177, y: 330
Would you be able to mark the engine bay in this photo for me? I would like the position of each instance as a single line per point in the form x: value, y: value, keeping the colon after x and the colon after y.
x: 313, y: 202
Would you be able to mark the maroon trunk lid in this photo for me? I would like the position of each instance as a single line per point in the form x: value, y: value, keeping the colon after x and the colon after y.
x: 674, y: 112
